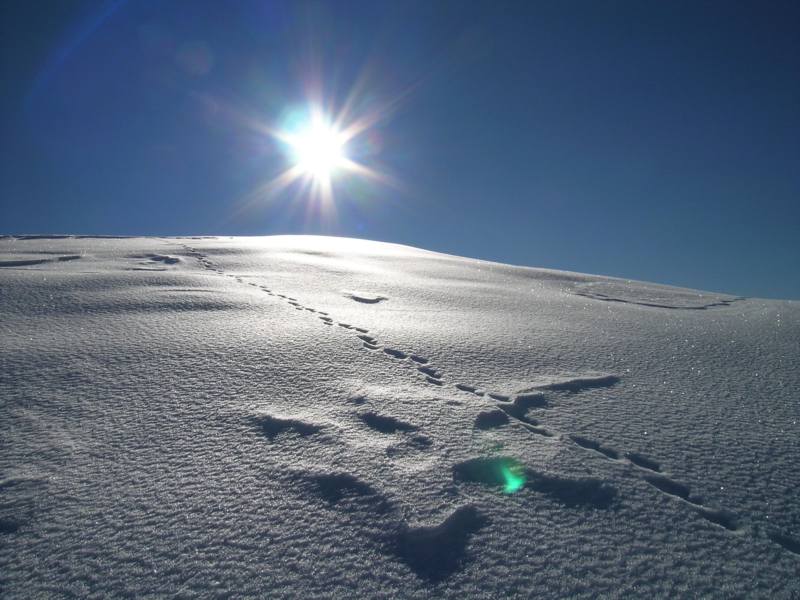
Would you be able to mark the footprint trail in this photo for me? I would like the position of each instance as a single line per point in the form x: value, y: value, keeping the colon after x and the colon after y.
x: 508, y: 410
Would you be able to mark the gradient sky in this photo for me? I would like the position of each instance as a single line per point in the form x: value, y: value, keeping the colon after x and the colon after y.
x: 651, y: 140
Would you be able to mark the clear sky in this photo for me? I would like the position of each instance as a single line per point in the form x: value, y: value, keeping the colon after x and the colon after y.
x: 652, y: 140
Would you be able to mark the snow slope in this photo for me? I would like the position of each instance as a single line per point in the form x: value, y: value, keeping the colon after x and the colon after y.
x: 296, y: 416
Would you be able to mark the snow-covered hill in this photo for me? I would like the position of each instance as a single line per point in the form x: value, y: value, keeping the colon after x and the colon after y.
x: 323, y: 417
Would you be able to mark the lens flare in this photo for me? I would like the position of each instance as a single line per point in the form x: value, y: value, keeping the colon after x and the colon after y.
x: 514, y: 478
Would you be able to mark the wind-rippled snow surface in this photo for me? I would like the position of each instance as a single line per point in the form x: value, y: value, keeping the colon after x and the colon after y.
x: 304, y: 417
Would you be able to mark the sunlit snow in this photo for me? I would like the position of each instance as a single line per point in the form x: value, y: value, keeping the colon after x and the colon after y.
x: 290, y: 417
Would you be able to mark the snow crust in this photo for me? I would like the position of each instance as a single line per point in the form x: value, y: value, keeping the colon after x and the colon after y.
x: 315, y: 417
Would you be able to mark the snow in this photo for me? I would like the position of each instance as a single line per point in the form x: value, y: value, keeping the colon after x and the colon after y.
x: 298, y: 416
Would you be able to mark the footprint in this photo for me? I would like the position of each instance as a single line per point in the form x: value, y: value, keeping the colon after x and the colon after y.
x: 9, y: 525
x: 490, y: 419
x: 334, y: 487
x: 37, y: 261
x: 272, y: 426
x: 466, y: 388
x: 592, y: 445
x: 495, y: 471
x: 386, y: 424
x: 160, y: 258
x: 395, y: 353
x: 365, y: 298
x: 419, y: 359
x: 786, y: 542
x: 410, y: 446
x: 367, y: 338
x: 500, y: 397
x: 643, y: 462
x: 574, y: 493
x: 430, y: 371
x: 434, y: 381
x: 669, y: 487
x: 578, y: 384
x: 505, y: 471
x: 434, y: 552
x: 720, y: 517
x: 369, y: 346
x: 345, y: 325
x: 521, y: 404
x: 361, y: 329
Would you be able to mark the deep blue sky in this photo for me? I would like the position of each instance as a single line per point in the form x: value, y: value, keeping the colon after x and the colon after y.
x: 651, y: 140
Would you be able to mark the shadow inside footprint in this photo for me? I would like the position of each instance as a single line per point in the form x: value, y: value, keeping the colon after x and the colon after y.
x: 490, y: 419
x: 521, y: 404
x: 332, y: 487
x: 386, y: 424
x: 721, y: 517
x: 573, y: 493
x: 274, y: 426
x: 643, y: 462
x: 579, y: 384
x: 786, y: 542
x: 435, y: 552
x: 8, y: 525
x: 668, y: 486
x: 588, y: 444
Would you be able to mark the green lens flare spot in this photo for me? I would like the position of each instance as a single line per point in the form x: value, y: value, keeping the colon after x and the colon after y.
x: 514, y: 478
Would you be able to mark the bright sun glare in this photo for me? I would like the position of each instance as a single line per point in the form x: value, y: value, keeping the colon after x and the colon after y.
x: 321, y: 148
x: 318, y: 150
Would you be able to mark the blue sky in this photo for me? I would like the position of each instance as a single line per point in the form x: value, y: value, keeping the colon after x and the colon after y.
x: 657, y: 141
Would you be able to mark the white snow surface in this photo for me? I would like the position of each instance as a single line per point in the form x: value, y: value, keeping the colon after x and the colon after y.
x: 311, y: 417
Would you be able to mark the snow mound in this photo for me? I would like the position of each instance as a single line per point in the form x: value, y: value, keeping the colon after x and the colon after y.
x: 216, y: 417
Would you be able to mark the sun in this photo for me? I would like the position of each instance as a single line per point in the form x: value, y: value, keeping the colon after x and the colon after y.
x: 318, y: 149
x: 325, y: 152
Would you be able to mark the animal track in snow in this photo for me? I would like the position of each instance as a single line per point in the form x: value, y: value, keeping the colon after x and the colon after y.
x: 365, y: 298
x: 386, y: 424
x: 333, y: 487
x: 786, y: 542
x: 592, y: 445
x: 670, y: 487
x: 434, y: 552
x: 273, y: 426
x: 573, y: 493
x: 430, y: 372
x: 38, y: 261
x: 521, y: 404
x: 490, y: 419
x: 579, y: 384
x: 643, y: 462
x: 516, y: 407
